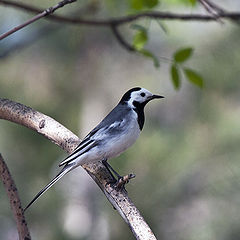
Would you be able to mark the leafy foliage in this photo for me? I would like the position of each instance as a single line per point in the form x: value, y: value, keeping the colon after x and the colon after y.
x: 193, y: 2
x: 143, y: 4
x: 180, y: 57
x: 183, y: 54
x: 140, y: 39
x: 193, y: 77
x: 182, y: 2
x: 175, y: 76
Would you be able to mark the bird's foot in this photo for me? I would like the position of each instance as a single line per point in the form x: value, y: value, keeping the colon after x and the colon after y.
x: 119, y: 184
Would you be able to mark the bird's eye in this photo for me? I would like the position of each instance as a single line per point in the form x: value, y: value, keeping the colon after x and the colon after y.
x: 143, y: 94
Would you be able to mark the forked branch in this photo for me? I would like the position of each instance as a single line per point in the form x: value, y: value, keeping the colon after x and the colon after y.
x: 48, y: 13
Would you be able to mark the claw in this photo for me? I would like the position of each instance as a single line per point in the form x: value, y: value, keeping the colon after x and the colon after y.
x: 120, y: 184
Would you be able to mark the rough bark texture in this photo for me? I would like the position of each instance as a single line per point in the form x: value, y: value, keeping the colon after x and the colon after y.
x: 64, y: 138
x: 14, y: 200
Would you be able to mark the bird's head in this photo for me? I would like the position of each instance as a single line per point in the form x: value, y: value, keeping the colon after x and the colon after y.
x: 138, y: 97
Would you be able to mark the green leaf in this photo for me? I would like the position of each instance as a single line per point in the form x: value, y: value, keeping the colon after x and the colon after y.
x: 187, y: 2
x: 143, y: 4
x: 148, y: 54
x: 183, y: 54
x: 193, y: 2
x: 150, y: 3
x: 136, y: 4
x: 193, y: 77
x: 175, y: 76
x: 140, y: 39
x: 190, y: 3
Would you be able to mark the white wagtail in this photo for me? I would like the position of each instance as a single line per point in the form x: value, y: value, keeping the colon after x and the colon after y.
x: 112, y: 136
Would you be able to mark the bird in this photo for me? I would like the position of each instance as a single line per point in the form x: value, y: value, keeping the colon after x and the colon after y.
x: 112, y: 136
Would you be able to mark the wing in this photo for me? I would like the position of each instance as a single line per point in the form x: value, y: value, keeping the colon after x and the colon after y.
x: 82, y: 148
x: 110, y: 124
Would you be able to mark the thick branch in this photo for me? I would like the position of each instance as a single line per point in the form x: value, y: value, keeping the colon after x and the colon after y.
x: 48, y: 127
x: 14, y: 200
x: 58, y: 134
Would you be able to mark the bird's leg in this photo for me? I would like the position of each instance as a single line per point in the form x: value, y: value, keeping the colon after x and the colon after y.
x: 111, y: 170
x: 121, y: 181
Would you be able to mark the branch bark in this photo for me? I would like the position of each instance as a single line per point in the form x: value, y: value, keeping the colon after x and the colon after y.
x: 213, y: 6
x: 46, y: 12
x: 114, y: 21
x: 121, y: 40
x: 51, y: 129
x: 212, y: 9
x: 14, y: 200
x: 44, y: 30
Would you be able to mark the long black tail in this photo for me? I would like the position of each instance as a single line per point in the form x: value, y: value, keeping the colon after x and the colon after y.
x: 64, y: 171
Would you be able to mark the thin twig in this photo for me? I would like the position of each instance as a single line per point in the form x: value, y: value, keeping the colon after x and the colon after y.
x: 44, y: 31
x: 211, y: 10
x: 207, y: 7
x: 46, y: 12
x: 114, y: 21
x: 58, y: 134
x: 124, y: 19
x: 215, y: 6
x: 120, y: 39
x: 21, y: 5
x: 14, y: 200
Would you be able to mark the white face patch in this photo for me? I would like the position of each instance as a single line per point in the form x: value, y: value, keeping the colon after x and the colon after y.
x: 139, y: 96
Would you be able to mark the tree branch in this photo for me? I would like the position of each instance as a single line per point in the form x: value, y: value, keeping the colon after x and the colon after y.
x: 215, y: 7
x: 21, y: 6
x: 46, y: 12
x: 64, y: 138
x: 14, y: 200
x: 120, y: 39
x: 48, y: 127
x: 212, y: 9
x: 114, y: 21
x: 45, y: 30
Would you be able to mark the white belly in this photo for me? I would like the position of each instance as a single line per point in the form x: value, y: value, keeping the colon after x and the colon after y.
x: 112, y: 143
x: 119, y: 144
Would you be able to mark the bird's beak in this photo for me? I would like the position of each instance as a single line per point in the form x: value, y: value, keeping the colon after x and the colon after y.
x: 155, y: 96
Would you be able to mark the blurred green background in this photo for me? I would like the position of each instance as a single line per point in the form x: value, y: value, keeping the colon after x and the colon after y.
x: 186, y: 161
